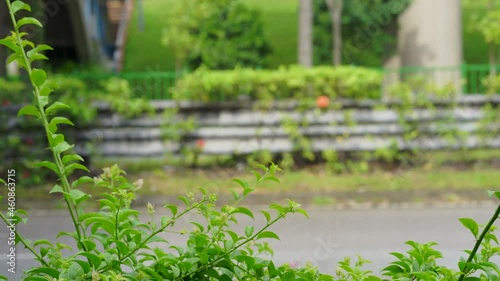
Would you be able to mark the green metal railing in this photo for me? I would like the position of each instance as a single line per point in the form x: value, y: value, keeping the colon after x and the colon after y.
x: 148, y: 85
x: 155, y: 85
x: 469, y: 79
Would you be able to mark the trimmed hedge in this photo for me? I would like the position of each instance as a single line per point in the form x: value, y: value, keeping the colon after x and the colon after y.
x: 286, y: 83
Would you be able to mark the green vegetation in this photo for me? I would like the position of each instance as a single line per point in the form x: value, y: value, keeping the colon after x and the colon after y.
x: 156, y: 57
x: 114, y: 244
x: 475, y: 49
x: 268, y: 85
x: 317, y: 180
x: 280, y: 27
x: 215, y: 34
x: 358, y: 17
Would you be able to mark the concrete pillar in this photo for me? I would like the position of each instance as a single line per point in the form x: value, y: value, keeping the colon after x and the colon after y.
x: 430, y: 36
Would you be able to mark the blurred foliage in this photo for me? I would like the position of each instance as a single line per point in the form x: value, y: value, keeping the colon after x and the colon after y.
x: 267, y: 85
x: 21, y: 146
x: 369, y: 31
x: 492, y: 84
x: 10, y: 91
x: 488, y: 26
x: 219, y: 34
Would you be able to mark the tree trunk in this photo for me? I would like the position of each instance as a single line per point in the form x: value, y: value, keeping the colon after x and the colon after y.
x: 305, y: 48
x: 335, y: 9
x: 492, y: 54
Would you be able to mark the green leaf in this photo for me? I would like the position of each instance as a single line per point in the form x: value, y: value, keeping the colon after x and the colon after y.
x: 125, y: 214
x: 471, y: 225
x: 249, y: 230
x: 394, y: 269
x: 497, y: 194
x: 272, y: 178
x: 243, y: 210
x: 173, y: 209
x: 267, y: 215
x: 472, y: 278
x: 2, y: 181
x: 29, y: 110
x: 302, y: 211
x: 19, y: 5
x: 165, y: 220
x: 48, y: 88
x: 10, y: 43
x: 37, y: 49
x: 56, y: 106
x: 50, y: 165
x: 55, y: 139
x: 70, y: 158
x: 26, y: 43
x: 38, y: 57
x: 89, y: 244
x: 258, y: 176
x: 234, y: 236
x: 83, y: 264
x: 44, y: 270
x: 60, y: 120
x: 38, y: 77
x: 35, y: 278
x: 75, y: 166
x: 62, y: 147
x: 57, y: 189
x: 42, y: 242
x: 43, y: 101
x: 13, y: 57
x: 242, y: 183
x: 28, y: 20
x: 81, y: 180
x: 246, y: 191
x: 78, y: 196
x: 235, y: 194
x: 268, y: 234
x: 106, y: 202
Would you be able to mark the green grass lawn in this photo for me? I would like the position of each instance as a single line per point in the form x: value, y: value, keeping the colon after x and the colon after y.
x: 312, y: 185
x: 144, y: 50
x: 281, y: 22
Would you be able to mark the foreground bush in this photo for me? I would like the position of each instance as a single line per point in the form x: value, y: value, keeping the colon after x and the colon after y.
x: 287, y: 83
x: 113, y: 244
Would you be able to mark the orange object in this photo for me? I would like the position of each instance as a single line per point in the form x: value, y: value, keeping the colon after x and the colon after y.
x: 200, y: 143
x: 323, y: 102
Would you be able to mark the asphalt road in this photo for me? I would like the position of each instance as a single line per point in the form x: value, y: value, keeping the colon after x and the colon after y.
x: 323, y: 239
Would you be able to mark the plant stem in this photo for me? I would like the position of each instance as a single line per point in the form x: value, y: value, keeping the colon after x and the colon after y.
x: 210, y: 264
x: 26, y: 245
x: 43, y: 116
x: 161, y: 229
x: 479, y: 240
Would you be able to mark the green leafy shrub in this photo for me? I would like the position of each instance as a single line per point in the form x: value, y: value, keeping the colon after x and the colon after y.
x: 492, y: 84
x: 219, y: 34
x: 23, y: 146
x: 118, y: 94
x: 10, y: 92
x: 286, y: 83
x: 113, y: 244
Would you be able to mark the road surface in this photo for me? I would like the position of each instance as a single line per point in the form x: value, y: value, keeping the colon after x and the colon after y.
x: 323, y: 239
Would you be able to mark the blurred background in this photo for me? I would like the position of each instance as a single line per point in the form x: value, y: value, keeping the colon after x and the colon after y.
x: 365, y: 104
